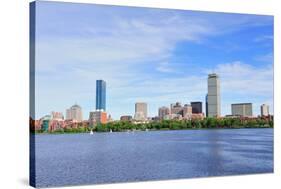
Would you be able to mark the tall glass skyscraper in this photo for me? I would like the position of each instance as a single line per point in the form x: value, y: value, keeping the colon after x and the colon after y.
x: 100, y: 95
x: 214, y: 99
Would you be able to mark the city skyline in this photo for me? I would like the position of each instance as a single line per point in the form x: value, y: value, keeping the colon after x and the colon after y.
x: 143, y: 58
x: 141, y: 108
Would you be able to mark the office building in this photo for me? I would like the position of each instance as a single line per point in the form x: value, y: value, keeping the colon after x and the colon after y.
x: 264, y: 110
x: 242, y: 109
x: 97, y: 117
x: 46, y: 122
x: 126, y: 118
x: 197, y: 116
x: 74, y: 113
x: 109, y: 118
x: 178, y: 111
x: 140, y: 111
x: 163, y: 111
x: 206, y: 105
x: 57, y: 116
x: 196, y: 107
x: 214, y: 99
x: 187, y: 111
x: 101, y: 95
x: 176, y: 108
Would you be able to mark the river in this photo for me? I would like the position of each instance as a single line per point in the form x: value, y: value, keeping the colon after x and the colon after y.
x: 79, y: 159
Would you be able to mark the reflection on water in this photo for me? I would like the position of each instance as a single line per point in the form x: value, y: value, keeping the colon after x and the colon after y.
x: 73, y: 159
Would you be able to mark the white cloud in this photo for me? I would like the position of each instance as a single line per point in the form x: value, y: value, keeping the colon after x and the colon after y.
x: 263, y: 38
x: 166, y: 67
x: 117, y: 47
x: 239, y: 77
x: 268, y: 58
x: 242, y: 82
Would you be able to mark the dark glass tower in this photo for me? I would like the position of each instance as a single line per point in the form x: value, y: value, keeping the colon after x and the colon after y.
x: 100, y: 95
x: 206, y: 106
x: 196, y: 107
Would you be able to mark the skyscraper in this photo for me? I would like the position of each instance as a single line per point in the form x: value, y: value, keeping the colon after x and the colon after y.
x: 214, y: 99
x: 196, y: 107
x: 140, y: 111
x: 264, y: 110
x: 100, y: 95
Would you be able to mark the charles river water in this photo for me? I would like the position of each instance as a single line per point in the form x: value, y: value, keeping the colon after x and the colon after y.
x: 79, y: 159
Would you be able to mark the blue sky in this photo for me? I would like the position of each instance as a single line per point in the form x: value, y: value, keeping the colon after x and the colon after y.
x: 158, y: 56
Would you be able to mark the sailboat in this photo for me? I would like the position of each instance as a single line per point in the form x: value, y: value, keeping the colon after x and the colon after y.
x: 91, y: 133
x: 111, y: 130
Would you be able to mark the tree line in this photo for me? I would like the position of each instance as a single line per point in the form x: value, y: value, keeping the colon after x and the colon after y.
x: 206, y: 123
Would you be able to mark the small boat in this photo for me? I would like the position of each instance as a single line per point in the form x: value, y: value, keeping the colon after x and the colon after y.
x: 91, y: 133
x: 146, y: 129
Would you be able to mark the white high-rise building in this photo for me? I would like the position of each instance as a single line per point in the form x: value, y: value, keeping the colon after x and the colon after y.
x: 264, y: 110
x: 213, y: 97
x: 140, y: 111
x: 74, y: 113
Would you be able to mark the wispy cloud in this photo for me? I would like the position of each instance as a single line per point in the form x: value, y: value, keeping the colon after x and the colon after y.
x: 165, y: 67
x: 267, y: 58
x: 242, y: 82
x: 263, y: 38
x: 132, y: 48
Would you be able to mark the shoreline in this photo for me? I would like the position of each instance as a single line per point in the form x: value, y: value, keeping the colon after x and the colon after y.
x: 151, y: 130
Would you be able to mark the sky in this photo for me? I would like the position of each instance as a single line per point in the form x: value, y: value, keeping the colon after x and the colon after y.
x: 158, y: 56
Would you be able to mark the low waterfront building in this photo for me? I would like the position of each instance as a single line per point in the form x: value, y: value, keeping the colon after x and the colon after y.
x: 97, y: 117
x: 232, y: 116
x: 45, y: 122
x: 197, y: 116
x: 37, y: 125
x: 126, y: 118
x: 175, y: 116
x: 56, y: 124
x: 57, y: 116
x: 109, y: 118
x: 167, y: 117
x: 156, y: 118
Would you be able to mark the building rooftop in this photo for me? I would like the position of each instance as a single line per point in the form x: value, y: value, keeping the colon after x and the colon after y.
x: 247, y: 103
x: 76, y: 106
x: 213, y: 75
